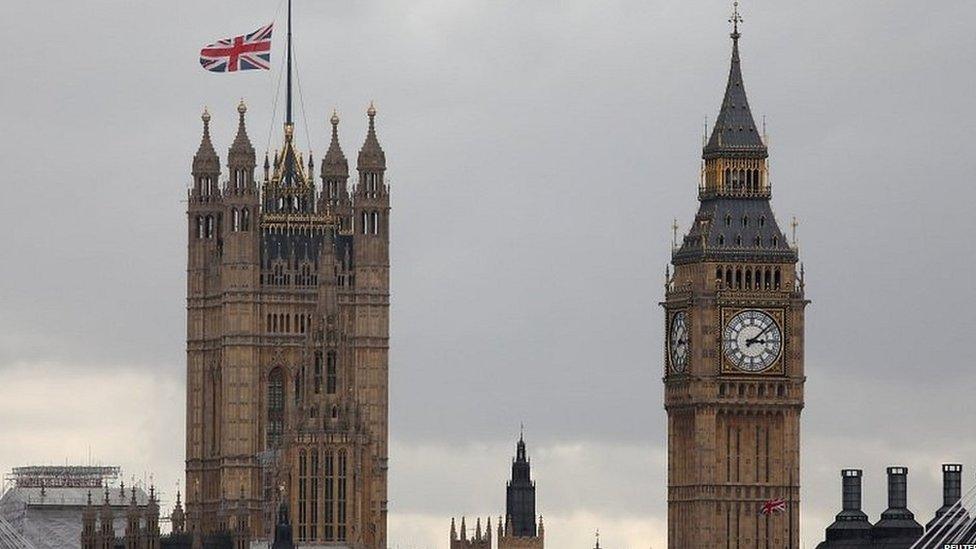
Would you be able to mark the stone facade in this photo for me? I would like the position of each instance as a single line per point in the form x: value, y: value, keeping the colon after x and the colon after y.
x: 733, y: 368
x: 287, y: 341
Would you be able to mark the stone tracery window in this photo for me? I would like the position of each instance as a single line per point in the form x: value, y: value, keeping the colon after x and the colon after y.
x: 276, y: 408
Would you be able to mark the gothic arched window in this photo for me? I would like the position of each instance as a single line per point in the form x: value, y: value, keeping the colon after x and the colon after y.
x: 341, y: 496
x: 330, y: 486
x: 302, y: 495
x: 276, y: 408
x: 317, y: 381
x: 331, y: 380
x: 313, y: 506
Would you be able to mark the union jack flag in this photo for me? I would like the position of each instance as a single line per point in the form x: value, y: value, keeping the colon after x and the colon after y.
x: 244, y: 53
x: 777, y: 505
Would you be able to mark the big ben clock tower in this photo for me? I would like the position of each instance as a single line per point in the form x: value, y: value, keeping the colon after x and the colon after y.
x: 733, y: 369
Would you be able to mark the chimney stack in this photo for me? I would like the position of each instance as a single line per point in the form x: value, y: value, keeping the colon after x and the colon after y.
x: 951, y: 494
x: 851, y: 490
x: 851, y: 523
x: 897, y: 524
x: 951, y: 484
x: 897, y: 487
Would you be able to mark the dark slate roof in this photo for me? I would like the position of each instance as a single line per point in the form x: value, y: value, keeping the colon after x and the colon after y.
x: 725, y: 229
x: 735, y: 133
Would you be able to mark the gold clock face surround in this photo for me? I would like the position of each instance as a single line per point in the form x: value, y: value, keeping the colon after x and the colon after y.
x: 678, y: 342
x: 752, y: 340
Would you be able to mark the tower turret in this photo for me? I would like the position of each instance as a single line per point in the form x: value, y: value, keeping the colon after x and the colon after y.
x: 241, y: 159
x: 151, y: 533
x: 206, y: 166
x: 88, y: 533
x: 106, y: 525
x: 178, y: 517
x: 133, y: 530
x: 335, y: 177
x: 371, y: 197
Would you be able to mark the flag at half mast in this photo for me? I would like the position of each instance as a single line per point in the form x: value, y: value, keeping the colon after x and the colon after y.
x: 240, y: 53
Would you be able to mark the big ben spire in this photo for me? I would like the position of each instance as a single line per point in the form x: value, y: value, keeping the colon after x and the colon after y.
x: 735, y: 133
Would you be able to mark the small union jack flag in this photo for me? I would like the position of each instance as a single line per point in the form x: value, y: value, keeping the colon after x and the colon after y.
x: 777, y: 505
x: 241, y: 53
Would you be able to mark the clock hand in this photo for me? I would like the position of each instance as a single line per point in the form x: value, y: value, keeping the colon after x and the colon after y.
x: 754, y: 339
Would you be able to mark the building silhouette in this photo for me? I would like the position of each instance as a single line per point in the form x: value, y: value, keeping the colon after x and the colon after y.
x: 733, y: 373
x: 518, y: 529
x: 896, y: 527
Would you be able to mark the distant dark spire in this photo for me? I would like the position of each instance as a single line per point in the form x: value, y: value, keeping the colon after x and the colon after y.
x: 735, y: 133
x: 520, y: 495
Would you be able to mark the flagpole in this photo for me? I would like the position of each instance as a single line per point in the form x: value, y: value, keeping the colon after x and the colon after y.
x: 288, y: 113
x: 289, y: 123
x: 789, y: 505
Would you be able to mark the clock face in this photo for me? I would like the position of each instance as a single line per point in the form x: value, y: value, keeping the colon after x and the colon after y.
x: 752, y: 341
x: 678, y: 342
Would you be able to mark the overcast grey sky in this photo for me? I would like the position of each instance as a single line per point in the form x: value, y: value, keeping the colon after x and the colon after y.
x: 538, y: 153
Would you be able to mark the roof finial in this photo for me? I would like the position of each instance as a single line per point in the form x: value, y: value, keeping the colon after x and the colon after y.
x: 735, y: 20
